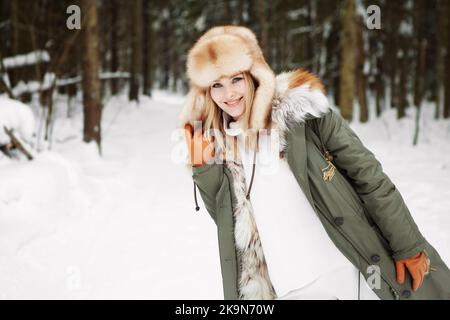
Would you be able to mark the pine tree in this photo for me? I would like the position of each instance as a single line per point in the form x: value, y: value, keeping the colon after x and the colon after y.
x: 348, y: 57
x: 91, y: 82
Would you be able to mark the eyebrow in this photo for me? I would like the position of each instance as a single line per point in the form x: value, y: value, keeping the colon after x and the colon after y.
x: 237, y: 74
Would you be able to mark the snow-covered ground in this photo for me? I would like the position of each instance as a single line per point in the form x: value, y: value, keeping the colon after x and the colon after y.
x: 76, y: 225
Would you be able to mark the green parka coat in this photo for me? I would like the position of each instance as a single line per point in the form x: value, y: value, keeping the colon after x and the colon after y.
x: 360, y: 208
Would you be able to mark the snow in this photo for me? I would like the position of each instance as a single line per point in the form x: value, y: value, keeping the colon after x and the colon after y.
x: 123, y: 226
x: 17, y: 116
x: 34, y: 86
x: 27, y: 59
x: 103, y: 76
x: 200, y: 23
x: 47, y: 82
x: 361, y: 9
x: 297, y: 13
x: 406, y: 28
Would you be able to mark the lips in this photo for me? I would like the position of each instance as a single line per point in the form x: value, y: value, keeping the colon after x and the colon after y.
x: 234, y: 103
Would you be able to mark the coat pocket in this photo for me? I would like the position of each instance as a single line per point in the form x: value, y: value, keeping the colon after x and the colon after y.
x: 353, y: 199
x: 347, y: 194
x: 337, y: 193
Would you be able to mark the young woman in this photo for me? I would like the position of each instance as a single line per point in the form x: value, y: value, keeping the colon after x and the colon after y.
x: 302, y: 208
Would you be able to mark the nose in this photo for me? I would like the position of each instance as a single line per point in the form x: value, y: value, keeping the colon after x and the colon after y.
x: 230, y: 94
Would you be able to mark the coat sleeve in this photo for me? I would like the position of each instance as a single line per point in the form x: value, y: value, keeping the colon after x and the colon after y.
x: 208, y: 179
x: 378, y: 194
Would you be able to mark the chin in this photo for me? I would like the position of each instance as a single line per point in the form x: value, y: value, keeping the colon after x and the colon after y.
x: 235, y: 113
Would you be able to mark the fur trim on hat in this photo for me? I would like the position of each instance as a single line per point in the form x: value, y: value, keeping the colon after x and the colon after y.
x: 226, y: 51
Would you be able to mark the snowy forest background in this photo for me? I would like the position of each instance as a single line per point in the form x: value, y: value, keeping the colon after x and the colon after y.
x: 102, y: 211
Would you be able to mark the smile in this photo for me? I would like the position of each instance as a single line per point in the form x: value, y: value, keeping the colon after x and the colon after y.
x: 234, y: 103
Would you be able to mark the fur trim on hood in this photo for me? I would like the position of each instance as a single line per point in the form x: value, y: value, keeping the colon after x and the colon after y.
x: 299, y: 96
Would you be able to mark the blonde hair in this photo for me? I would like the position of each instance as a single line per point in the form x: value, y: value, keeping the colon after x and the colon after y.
x: 213, y: 121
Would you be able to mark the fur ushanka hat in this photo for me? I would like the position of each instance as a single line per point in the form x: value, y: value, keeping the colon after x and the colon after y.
x: 226, y: 51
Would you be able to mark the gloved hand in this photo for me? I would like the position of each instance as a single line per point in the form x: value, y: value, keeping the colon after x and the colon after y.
x: 417, y: 265
x: 201, y: 149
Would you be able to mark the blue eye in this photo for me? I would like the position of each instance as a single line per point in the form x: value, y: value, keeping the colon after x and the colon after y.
x: 237, y: 79
x: 216, y: 85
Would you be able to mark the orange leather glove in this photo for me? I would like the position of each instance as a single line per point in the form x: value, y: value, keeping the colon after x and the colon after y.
x: 201, y: 149
x: 418, y: 266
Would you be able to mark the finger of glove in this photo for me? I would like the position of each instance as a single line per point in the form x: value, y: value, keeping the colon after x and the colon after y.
x: 188, y: 133
x: 417, y: 268
x: 198, y: 133
x: 197, y: 147
x: 418, y: 276
x: 208, y: 150
x: 189, y: 142
x: 400, y: 270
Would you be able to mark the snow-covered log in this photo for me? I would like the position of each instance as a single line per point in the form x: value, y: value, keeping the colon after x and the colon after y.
x: 16, y: 116
x: 22, y: 60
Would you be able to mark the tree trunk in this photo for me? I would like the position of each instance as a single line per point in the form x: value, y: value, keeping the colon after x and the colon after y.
x: 421, y: 47
x: 136, y: 49
x: 15, y: 40
x: 379, y: 85
x: 394, y: 17
x: 402, y: 89
x: 240, y: 19
x: 311, y: 44
x: 91, y: 82
x: 333, y: 58
x: 420, y: 12
x: 147, y: 61
x: 447, y: 68
x: 360, y: 74
x: 348, y: 57
x: 175, y: 67
x: 440, y: 46
x: 165, y: 49
x: 284, y: 43
x: 262, y: 18
x: 227, y: 12
x: 113, y: 34
x: 322, y: 19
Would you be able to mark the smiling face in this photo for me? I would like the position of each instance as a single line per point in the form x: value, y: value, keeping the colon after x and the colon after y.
x: 229, y: 93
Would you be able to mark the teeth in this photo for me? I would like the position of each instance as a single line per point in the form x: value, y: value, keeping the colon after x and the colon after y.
x: 233, y: 102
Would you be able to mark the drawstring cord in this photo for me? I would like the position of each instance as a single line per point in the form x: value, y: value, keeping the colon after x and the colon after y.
x: 359, y: 285
x: 195, y: 197
x: 253, y: 174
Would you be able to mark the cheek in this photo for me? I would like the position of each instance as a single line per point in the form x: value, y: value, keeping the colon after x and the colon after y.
x: 216, y: 96
x: 242, y: 88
